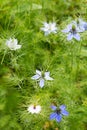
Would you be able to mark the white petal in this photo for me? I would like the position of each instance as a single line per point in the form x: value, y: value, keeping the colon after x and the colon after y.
x: 69, y: 37
x: 38, y: 72
x: 47, y: 76
x: 15, y: 41
x: 30, y: 109
x: 77, y: 37
x: 44, y: 29
x: 38, y: 109
x: 45, y: 24
x: 41, y: 83
x: 17, y: 47
x: 52, y: 26
x: 8, y: 41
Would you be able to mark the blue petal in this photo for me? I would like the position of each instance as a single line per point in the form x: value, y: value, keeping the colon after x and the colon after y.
x: 65, y: 113
x: 77, y: 37
x: 65, y: 31
x: 70, y: 36
x: 53, y: 115
x: 41, y: 83
x: 53, y: 107
x: 59, y: 117
x: 85, y: 26
x: 62, y: 107
x: 35, y: 77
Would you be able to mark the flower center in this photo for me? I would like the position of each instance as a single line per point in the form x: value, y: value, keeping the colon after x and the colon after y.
x: 73, y: 30
x: 34, y: 107
x: 58, y: 111
x: 77, y: 22
x: 50, y: 27
x: 42, y: 74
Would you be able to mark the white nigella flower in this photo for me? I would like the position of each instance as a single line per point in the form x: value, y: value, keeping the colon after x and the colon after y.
x: 13, y: 44
x: 73, y: 32
x: 49, y: 28
x: 41, y: 77
x: 34, y: 109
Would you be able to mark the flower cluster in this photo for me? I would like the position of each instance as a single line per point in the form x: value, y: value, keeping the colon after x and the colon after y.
x: 72, y: 30
x: 57, y: 114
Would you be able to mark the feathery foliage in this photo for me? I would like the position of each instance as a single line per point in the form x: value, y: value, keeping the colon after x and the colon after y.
x: 65, y: 60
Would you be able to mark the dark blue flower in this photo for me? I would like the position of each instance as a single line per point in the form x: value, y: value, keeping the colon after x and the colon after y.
x: 57, y: 114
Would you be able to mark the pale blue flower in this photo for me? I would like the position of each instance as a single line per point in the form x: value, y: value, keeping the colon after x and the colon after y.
x: 49, y: 28
x: 41, y: 77
x: 58, y: 112
x: 72, y: 31
x: 81, y: 25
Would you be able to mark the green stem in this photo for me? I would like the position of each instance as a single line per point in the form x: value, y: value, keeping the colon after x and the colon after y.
x: 3, y: 57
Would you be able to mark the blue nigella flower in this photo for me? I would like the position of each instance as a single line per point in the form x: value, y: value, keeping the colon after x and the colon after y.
x: 82, y: 25
x: 85, y: 26
x: 73, y: 32
x: 58, y: 112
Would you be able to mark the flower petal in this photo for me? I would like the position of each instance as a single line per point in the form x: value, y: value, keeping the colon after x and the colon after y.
x: 69, y: 37
x: 65, y: 30
x: 53, y: 107
x: 53, y: 116
x: 58, y: 117
x: 38, y: 72
x: 77, y: 36
x: 47, y: 77
x: 41, y: 83
x: 35, y: 77
x: 62, y: 107
x: 17, y: 47
x: 38, y: 109
x: 15, y: 41
x: 85, y: 26
x: 65, y: 113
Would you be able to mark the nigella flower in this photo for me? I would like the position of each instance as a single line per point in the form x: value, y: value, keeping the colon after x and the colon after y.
x: 13, y: 44
x: 58, y: 112
x: 81, y: 25
x: 72, y: 31
x: 41, y: 77
x: 34, y: 109
x: 49, y: 28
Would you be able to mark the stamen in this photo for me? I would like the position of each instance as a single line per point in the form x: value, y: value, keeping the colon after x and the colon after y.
x: 34, y: 107
x: 58, y: 111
